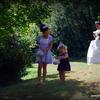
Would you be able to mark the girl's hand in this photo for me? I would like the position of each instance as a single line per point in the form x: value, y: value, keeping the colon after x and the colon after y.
x: 63, y: 57
x: 59, y: 57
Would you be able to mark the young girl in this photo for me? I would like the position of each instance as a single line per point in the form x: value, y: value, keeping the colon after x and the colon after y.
x: 44, y: 43
x: 64, y: 62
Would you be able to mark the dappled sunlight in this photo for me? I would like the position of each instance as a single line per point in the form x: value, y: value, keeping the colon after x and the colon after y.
x: 82, y: 82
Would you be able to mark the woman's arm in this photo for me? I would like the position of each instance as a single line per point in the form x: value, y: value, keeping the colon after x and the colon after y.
x: 49, y: 46
x: 46, y: 49
x: 38, y: 44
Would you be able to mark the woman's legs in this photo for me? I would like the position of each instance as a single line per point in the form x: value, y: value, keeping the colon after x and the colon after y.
x: 44, y: 71
x: 40, y: 66
x: 39, y: 71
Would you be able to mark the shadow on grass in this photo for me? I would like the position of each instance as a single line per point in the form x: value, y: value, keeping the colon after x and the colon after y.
x: 51, y: 90
x: 78, y: 60
x: 52, y: 76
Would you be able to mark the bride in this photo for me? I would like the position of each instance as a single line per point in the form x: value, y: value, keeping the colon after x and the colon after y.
x: 93, y: 54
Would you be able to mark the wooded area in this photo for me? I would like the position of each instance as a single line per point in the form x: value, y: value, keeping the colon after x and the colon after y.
x: 70, y: 21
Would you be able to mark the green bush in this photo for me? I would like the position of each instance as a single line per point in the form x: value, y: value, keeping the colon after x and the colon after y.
x: 14, y: 58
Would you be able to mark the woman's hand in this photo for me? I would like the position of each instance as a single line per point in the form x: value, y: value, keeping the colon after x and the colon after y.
x: 45, y: 50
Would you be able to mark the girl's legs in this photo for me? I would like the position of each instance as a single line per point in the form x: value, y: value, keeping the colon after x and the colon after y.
x: 40, y: 65
x: 44, y: 71
x: 62, y: 75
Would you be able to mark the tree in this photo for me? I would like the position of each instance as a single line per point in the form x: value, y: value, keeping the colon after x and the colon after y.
x: 18, y: 31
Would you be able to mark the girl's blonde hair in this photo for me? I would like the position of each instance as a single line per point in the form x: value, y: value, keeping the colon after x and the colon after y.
x: 61, y: 45
x: 65, y: 47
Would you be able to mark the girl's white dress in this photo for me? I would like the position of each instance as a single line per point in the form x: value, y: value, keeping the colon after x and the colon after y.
x: 93, y: 54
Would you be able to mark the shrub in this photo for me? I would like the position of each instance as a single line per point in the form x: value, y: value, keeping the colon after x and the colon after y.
x: 14, y: 58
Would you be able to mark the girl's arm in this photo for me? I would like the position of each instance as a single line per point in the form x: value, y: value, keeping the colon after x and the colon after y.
x: 63, y: 57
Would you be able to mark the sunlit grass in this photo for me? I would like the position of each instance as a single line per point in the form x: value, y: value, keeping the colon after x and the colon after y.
x: 79, y: 84
x: 52, y: 69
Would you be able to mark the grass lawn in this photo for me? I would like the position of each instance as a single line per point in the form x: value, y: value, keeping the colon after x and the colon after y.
x: 82, y: 83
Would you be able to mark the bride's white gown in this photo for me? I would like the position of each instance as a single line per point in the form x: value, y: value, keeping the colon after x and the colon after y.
x: 93, y: 54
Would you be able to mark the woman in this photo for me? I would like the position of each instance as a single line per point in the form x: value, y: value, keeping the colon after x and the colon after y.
x: 93, y: 55
x: 97, y: 24
x: 44, y: 52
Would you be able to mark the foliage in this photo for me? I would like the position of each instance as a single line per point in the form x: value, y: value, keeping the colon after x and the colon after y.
x: 79, y: 84
x: 19, y: 22
x: 70, y: 21
x: 73, y: 23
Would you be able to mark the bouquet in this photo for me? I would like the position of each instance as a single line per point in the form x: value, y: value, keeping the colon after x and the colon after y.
x: 56, y: 61
x: 40, y: 53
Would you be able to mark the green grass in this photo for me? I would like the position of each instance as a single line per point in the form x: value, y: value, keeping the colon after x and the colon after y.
x: 82, y: 82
